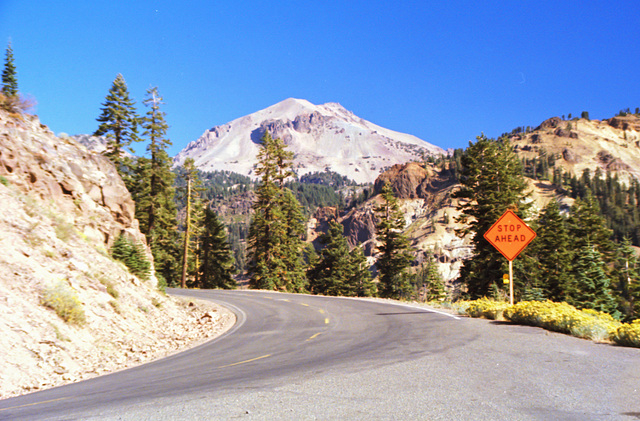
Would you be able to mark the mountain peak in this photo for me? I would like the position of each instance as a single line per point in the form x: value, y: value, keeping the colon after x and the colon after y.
x: 321, y: 137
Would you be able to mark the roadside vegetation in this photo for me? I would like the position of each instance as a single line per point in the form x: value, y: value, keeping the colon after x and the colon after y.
x: 61, y: 297
x: 557, y: 317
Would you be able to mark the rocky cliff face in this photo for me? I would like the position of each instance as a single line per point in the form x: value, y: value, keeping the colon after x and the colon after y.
x: 61, y: 207
x: 82, y: 185
x: 320, y: 136
x: 611, y: 145
x: 424, y: 197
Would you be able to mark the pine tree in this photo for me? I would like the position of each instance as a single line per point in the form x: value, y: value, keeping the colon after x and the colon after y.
x: 154, y: 193
x: 554, y: 252
x: 275, y: 246
x: 9, y: 75
x: 295, y: 278
x: 360, y: 274
x: 588, y: 226
x: 394, y: 253
x: 332, y: 273
x: 492, y: 182
x: 132, y: 254
x: 429, y: 282
x: 119, y: 123
x: 216, y: 259
x: 590, y: 286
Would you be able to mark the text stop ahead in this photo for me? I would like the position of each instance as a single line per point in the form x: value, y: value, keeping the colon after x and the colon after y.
x: 509, y: 235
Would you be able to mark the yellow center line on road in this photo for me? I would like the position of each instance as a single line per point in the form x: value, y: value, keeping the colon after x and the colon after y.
x: 303, y: 304
x: 35, y: 403
x: 245, y: 361
x: 326, y: 320
x: 321, y: 311
x: 314, y: 336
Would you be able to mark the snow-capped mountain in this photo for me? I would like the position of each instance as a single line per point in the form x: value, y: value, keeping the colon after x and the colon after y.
x: 320, y: 136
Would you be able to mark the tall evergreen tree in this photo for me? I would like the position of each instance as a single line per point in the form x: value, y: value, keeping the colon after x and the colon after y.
x: 292, y: 242
x: 394, y: 253
x: 492, y: 182
x: 9, y: 74
x: 154, y: 192
x: 554, y: 252
x: 332, y: 273
x: 119, y: 122
x: 590, y: 286
x: 155, y: 188
x: 588, y: 227
x: 216, y: 259
x: 275, y: 248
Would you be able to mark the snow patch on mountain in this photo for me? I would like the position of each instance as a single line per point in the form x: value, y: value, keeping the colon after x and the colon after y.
x: 321, y: 137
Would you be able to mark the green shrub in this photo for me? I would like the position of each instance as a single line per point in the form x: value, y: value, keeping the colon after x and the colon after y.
x: 460, y: 307
x: 162, y: 283
x: 64, y: 230
x: 62, y: 299
x: 4, y: 181
x: 628, y: 334
x: 132, y: 255
x: 489, y: 309
x: 111, y: 289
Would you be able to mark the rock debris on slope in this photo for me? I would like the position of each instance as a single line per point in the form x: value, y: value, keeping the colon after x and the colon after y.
x: 61, y: 207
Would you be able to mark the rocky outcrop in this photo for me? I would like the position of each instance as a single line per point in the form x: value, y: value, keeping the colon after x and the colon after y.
x: 627, y: 122
x: 61, y: 207
x: 550, y: 123
x: 569, y: 156
x: 610, y: 162
x: 406, y: 180
x: 82, y: 183
x: 360, y: 225
x: 305, y: 123
x: 413, y: 180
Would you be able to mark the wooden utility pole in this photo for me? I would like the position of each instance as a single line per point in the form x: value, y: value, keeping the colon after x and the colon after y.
x: 187, y: 233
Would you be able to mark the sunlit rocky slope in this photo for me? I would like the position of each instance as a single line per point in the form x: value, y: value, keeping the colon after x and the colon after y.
x: 61, y: 207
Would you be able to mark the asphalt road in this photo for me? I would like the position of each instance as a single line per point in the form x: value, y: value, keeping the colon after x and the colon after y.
x: 310, y: 357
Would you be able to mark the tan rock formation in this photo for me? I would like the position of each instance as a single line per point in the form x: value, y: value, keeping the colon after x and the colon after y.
x: 61, y: 207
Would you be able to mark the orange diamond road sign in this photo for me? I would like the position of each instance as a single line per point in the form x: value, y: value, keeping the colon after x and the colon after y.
x: 510, y: 235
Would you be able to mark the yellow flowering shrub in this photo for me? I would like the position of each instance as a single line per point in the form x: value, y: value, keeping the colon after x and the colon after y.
x: 61, y: 298
x: 628, y: 334
x: 558, y: 317
x: 489, y: 309
x: 563, y: 318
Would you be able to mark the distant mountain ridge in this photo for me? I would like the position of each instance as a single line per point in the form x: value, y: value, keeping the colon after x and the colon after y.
x: 321, y: 137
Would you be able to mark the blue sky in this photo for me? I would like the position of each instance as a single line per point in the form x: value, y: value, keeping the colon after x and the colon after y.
x: 444, y: 71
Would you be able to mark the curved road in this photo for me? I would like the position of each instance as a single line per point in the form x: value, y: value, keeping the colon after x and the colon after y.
x: 311, y: 357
